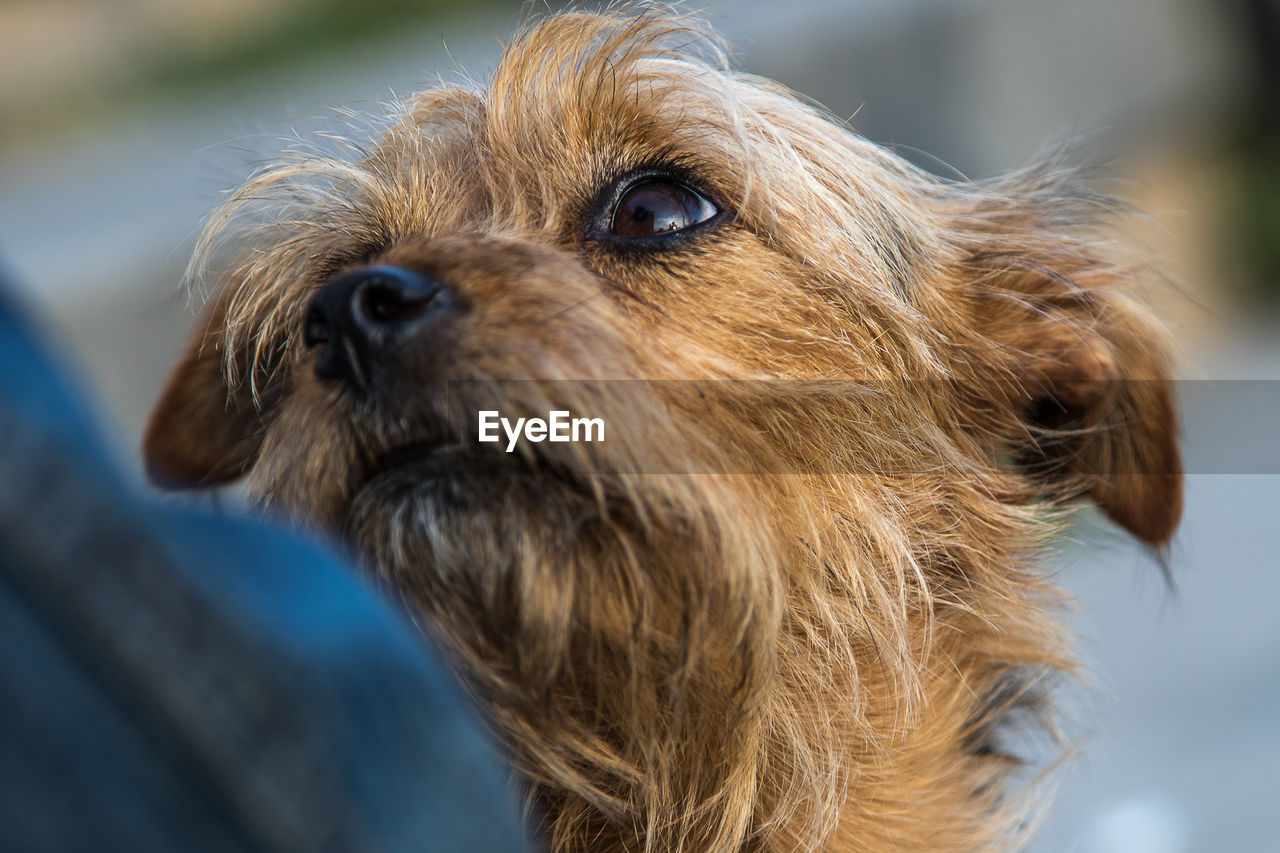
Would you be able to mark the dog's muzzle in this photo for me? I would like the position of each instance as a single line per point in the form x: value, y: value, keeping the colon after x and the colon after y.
x: 361, y: 318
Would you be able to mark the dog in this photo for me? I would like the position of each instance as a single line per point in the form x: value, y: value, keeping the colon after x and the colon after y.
x: 789, y: 599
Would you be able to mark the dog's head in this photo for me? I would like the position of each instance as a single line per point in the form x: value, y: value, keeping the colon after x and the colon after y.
x: 787, y: 597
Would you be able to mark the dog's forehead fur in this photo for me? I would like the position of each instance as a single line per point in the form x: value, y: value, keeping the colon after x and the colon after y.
x: 580, y: 100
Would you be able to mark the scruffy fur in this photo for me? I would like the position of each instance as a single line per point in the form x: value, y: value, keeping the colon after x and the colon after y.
x: 787, y: 606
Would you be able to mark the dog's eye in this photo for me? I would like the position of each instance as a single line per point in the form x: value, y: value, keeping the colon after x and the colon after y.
x: 656, y: 207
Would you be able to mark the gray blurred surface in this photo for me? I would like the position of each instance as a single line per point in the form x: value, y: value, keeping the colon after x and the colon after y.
x: 1180, y: 744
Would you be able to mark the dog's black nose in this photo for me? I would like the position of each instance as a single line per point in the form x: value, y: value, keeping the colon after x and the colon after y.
x: 360, y: 316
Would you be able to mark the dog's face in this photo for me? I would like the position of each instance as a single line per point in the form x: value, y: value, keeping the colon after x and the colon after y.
x: 786, y: 599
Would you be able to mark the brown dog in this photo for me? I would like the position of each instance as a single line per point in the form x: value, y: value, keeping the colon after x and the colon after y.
x: 787, y: 602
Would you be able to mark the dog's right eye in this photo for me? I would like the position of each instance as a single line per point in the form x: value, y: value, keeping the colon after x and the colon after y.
x: 653, y: 208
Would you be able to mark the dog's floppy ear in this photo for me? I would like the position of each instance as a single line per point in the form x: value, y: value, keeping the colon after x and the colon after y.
x: 1082, y: 370
x: 202, y: 432
x: 1097, y: 403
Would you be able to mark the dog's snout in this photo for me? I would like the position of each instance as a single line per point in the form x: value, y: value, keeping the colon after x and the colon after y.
x: 361, y: 315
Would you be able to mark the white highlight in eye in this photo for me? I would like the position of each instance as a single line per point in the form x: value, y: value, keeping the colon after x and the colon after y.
x: 559, y: 426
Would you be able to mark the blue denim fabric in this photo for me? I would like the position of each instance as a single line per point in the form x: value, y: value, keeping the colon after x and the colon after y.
x: 174, y: 681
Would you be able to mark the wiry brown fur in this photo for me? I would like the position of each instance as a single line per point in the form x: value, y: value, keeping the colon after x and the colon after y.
x: 762, y: 615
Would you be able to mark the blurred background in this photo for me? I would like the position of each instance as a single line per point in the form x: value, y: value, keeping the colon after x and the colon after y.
x: 122, y: 123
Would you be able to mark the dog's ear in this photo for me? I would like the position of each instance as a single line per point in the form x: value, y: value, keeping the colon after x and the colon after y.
x: 1096, y: 400
x: 1082, y: 372
x: 203, y: 432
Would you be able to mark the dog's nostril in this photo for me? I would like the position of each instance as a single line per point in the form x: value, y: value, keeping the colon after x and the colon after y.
x: 394, y: 296
x: 315, y: 329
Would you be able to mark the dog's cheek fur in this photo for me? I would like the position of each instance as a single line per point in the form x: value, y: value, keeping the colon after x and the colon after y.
x: 314, y: 455
x: 772, y: 315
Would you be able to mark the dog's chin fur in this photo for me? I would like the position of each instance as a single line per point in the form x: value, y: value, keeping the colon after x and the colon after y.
x: 789, y: 602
